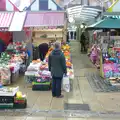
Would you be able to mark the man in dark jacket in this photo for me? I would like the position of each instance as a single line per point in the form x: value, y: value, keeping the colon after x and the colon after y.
x: 57, y: 66
x: 43, y: 49
x: 83, y: 42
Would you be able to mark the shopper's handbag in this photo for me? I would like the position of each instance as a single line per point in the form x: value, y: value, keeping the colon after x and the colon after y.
x: 66, y: 84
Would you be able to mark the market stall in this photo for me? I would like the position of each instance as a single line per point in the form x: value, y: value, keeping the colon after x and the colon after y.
x: 12, y: 62
x: 109, y: 48
x: 13, y: 57
x: 110, y: 60
x: 50, y: 26
x: 38, y: 74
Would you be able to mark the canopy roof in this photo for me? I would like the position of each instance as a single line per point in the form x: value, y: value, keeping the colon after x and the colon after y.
x: 83, y: 13
x: 107, y: 23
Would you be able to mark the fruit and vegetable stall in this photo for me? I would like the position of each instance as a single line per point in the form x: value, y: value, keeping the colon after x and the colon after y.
x: 39, y: 75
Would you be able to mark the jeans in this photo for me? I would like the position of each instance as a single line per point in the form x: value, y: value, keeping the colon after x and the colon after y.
x: 56, y: 86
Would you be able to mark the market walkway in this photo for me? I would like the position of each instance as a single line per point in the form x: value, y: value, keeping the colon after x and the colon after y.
x: 81, y: 98
x: 82, y: 92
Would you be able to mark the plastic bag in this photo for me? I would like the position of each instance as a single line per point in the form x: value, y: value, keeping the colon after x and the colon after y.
x: 66, y: 84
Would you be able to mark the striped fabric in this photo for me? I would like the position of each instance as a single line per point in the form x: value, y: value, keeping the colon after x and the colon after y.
x: 37, y: 19
x: 5, y: 19
x: 36, y: 6
x: 3, y: 29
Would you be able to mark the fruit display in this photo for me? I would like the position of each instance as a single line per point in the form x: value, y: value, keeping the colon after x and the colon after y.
x: 66, y: 47
x: 11, y: 61
x: 9, y: 64
x: 16, y: 47
x: 68, y: 64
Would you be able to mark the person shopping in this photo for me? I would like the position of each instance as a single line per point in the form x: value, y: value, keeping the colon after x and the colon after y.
x: 57, y: 66
x: 43, y: 49
x: 83, y: 42
x: 94, y: 53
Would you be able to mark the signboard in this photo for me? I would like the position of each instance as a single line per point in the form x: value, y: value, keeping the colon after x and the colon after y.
x: 22, y: 4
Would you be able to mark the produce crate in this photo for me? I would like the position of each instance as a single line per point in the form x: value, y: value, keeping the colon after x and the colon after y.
x: 41, y: 86
x: 6, y: 106
x: 20, y: 105
x: 6, y: 99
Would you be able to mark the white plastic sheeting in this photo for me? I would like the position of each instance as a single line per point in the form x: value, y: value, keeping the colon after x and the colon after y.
x: 19, y: 17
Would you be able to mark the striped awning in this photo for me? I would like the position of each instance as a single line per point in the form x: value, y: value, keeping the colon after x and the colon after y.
x: 5, y: 20
x: 39, y: 19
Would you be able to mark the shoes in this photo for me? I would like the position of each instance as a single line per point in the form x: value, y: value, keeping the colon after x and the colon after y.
x: 61, y: 96
x: 54, y: 96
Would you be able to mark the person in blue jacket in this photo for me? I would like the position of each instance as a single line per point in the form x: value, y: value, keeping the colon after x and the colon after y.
x: 29, y: 56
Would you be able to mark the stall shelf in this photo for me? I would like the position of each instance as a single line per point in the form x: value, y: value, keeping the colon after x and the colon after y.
x: 47, y: 35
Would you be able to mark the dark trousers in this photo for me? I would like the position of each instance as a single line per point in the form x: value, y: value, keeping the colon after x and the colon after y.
x: 83, y: 48
x: 56, y: 86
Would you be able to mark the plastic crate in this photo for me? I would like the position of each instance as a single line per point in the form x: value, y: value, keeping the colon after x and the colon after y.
x: 6, y: 99
x: 41, y: 86
x: 20, y: 105
x: 6, y: 106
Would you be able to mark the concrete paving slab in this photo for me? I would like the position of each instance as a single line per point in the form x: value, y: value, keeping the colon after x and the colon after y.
x: 36, y: 118
x: 2, y: 117
x: 76, y: 119
x: 102, y: 118
x: 43, y: 101
x: 94, y: 119
x: 88, y: 95
x: 109, y: 101
x: 57, y: 104
x: 52, y: 118
x: 14, y: 118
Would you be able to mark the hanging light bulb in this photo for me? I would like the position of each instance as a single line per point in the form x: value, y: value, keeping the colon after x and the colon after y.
x: 71, y: 19
x: 82, y: 26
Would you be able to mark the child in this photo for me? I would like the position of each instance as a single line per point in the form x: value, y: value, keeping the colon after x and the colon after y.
x: 94, y: 53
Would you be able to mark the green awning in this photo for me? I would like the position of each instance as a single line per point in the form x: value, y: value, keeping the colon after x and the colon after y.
x: 107, y: 23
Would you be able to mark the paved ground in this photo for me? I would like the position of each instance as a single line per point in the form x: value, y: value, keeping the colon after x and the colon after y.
x: 81, y: 93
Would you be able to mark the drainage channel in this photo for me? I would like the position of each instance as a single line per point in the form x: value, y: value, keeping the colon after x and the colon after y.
x: 60, y: 113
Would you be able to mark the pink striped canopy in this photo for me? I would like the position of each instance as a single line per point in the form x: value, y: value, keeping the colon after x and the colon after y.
x: 47, y: 19
x: 5, y: 19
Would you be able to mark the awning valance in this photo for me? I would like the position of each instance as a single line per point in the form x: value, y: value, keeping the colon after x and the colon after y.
x: 5, y: 20
x: 39, y: 19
